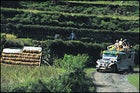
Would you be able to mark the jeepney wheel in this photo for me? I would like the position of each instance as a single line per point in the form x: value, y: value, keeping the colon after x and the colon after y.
x: 98, y: 70
x: 114, y: 68
x: 130, y: 69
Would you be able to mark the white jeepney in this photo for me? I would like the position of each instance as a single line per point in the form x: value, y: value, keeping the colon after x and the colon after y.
x: 116, y: 60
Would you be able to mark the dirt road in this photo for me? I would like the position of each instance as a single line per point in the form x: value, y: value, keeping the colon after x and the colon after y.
x: 112, y: 82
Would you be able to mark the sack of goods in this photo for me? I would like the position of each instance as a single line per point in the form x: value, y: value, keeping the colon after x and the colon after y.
x: 27, y: 56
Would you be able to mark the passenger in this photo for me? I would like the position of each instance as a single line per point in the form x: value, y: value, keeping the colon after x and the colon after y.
x: 124, y: 43
x: 120, y: 42
x: 116, y: 44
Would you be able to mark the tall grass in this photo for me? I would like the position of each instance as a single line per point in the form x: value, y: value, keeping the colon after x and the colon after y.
x: 17, y: 78
x: 14, y: 75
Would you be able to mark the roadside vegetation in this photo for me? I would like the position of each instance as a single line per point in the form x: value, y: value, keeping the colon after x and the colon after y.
x: 134, y: 79
x: 67, y: 75
x: 70, y: 63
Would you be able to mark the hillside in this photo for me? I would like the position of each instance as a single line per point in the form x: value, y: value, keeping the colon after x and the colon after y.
x: 96, y: 21
x: 67, y: 65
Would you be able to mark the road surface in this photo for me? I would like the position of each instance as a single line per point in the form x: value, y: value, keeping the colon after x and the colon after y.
x: 112, y: 82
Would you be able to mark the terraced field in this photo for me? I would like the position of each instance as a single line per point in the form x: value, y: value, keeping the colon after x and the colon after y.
x: 96, y: 25
x: 97, y: 21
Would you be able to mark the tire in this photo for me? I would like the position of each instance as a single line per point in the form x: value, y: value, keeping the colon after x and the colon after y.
x: 114, y: 68
x: 97, y: 70
x: 130, y: 69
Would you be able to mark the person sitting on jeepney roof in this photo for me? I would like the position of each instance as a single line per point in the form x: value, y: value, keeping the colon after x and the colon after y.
x: 114, y: 47
x: 121, y: 41
x: 116, y: 44
x: 127, y: 47
x: 122, y: 44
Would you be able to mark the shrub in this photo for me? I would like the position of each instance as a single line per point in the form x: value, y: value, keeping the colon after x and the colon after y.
x: 71, y: 63
x: 75, y: 77
x: 68, y: 82
x: 10, y: 36
x: 57, y: 49
x: 72, y: 82
x: 11, y: 40
x: 26, y: 41
x: 13, y: 43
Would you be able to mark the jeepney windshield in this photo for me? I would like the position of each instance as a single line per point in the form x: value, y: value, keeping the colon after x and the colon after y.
x: 107, y: 55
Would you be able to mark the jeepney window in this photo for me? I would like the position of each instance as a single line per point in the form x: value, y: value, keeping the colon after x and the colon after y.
x: 109, y: 55
x: 121, y: 56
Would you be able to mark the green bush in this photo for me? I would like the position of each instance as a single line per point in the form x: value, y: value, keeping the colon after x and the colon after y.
x: 76, y: 78
x: 9, y: 36
x: 26, y: 41
x: 53, y: 49
x: 71, y: 63
x: 136, y: 48
x: 57, y: 48
x: 13, y: 43
x: 72, y: 82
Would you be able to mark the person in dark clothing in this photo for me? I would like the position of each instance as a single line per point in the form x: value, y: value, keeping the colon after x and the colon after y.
x: 72, y: 36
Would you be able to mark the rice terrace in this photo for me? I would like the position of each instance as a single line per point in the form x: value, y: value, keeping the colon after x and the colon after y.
x: 69, y: 46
